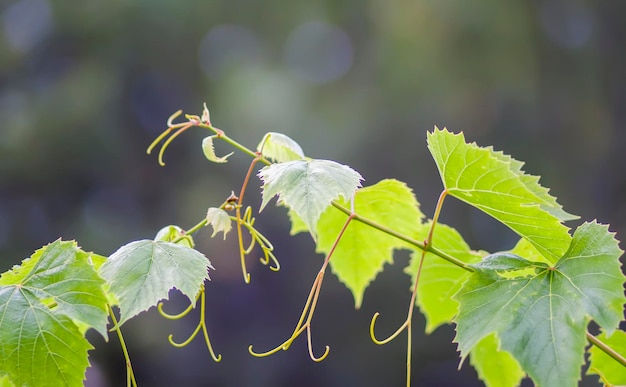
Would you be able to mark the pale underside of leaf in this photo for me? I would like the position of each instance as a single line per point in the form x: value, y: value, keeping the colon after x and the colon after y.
x: 143, y: 272
x: 220, y: 220
x: 494, y: 183
x: 308, y: 186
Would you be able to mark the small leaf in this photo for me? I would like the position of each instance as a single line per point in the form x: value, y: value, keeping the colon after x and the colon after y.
x: 220, y: 220
x: 609, y: 370
x: 494, y: 183
x: 440, y: 279
x: 280, y: 148
x: 209, y: 151
x: 495, y: 367
x: 542, y: 318
x: 308, y: 186
x: 206, y: 115
x: 171, y: 233
x: 46, y: 305
x: 363, y: 251
x: 142, y: 273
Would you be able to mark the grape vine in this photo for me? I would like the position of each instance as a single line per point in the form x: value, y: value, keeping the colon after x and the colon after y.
x: 527, y: 309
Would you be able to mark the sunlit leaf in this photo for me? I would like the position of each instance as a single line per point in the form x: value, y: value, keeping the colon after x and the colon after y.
x: 495, y: 183
x: 609, y: 370
x: 220, y: 220
x: 495, y: 367
x: 280, y: 148
x: 171, y: 233
x: 308, y: 186
x: 209, y: 151
x: 541, y: 318
x: 440, y: 279
x: 46, y: 305
x: 142, y: 273
x: 363, y: 250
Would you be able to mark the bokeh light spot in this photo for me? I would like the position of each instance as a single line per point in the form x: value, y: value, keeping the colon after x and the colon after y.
x: 318, y: 52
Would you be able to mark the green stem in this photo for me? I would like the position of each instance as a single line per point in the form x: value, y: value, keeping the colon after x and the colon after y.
x: 129, y: 368
x: 606, y: 349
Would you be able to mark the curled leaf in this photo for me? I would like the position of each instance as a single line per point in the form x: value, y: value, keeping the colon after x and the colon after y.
x: 220, y: 220
x: 209, y: 151
x: 280, y: 148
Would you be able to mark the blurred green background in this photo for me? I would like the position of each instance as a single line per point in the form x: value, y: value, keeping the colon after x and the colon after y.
x: 86, y: 85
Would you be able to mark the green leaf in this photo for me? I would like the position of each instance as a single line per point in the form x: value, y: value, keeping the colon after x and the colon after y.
x: 280, y: 148
x: 541, y: 314
x: 142, y: 273
x: 440, y: 279
x: 494, y: 183
x: 609, y: 370
x: 495, y: 367
x: 171, y: 233
x: 363, y: 250
x: 209, y: 151
x: 46, y: 305
x: 5, y: 381
x: 220, y: 220
x: 308, y: 186
x: 297, y: 224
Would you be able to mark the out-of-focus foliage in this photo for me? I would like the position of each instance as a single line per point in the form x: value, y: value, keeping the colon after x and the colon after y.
x: 85, y: 86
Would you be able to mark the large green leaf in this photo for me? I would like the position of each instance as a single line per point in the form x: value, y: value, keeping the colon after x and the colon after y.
x: 540, y: 312
x: 605, y: 366
x: 496, y: 184
x: 143, y: 272
x: 308, y: 186
x: 363, y: 250
x: 46, y: 304
x: 440, y: 279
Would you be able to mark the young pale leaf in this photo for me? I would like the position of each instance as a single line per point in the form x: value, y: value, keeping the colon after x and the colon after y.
x: 440, y: 279
x: 609, y: 370
x: 220, y: 220
x: 494, y: 183
x: 280, y: 148
x: 209, y: 151
x: 46, y: 305
x: 363, y: 250
x: 142, y: 273
x: 171, y: 233
x: 495, y: 367
x: 541, y: 315
x: 308, y: 186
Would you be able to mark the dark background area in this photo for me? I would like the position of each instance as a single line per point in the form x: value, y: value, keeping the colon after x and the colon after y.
x: 86, y: 85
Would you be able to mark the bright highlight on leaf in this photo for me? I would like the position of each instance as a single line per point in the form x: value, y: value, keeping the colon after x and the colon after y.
x: 279, y: 148
x: 209, y: 151
x: 495, y: 367
x: 46, y: 305
x: 308, y: 186
x: 542, y: 318
x: 494, y: 183
x: 220, y: 220
x: 363, y: 251
x: 143, y: 272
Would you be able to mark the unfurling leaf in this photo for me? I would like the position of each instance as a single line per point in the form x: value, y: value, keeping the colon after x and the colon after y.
x: 363, y: 251
x: 142, y: 273
x: 279, y: 148
x: 171, y: 233
x: 308, y: 186
x: 495, y: 183
x: 220, y: 220
x: 209, y: 151
x: 46, y: 305
x: 540, y: 312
